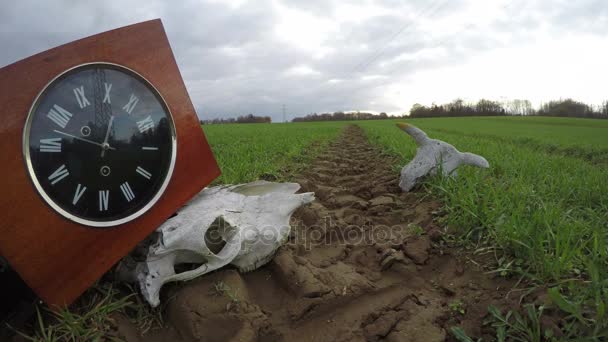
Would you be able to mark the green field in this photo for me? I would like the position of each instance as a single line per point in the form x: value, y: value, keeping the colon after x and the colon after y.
x: 540, y: 212
x: 579, y: 138
x: 541, y: 208
x: 246, y: 152
x: 543, y: 211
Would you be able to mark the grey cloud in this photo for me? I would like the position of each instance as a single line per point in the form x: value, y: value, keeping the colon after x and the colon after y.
x: 233, y: 62
x: 317, y: 7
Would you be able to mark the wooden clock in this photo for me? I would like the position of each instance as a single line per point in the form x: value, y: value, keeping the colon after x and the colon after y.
x: 99, y: 144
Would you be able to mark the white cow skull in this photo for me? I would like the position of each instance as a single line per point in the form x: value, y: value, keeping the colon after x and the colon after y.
x: 431, y: 155
x: 242, y: 225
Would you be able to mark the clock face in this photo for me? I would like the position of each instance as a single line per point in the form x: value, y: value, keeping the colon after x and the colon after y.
x: 99, y: 144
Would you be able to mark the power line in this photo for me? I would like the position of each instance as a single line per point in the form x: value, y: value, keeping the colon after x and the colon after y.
x: 468, y: 26
x: 284, y: 117
x: 433, y: 8
x: 443, y: 41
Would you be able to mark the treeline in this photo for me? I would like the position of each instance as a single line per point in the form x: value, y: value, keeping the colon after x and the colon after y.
x: 563, y: 108
x: 573, y: 108
x: 249, y: 118
x: 341, y: 116
x: 482, y: 108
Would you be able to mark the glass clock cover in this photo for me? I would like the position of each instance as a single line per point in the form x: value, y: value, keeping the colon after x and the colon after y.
x: 99, y: 144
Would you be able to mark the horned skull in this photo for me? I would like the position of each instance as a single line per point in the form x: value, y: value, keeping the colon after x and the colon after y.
x: 433, y: 155
x: 242, y: 225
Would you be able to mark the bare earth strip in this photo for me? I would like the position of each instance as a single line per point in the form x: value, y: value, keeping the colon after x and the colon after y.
x: 364, y: 263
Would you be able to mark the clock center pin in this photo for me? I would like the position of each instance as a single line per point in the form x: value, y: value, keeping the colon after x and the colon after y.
x: 85, y: 131
x: 105, y: 170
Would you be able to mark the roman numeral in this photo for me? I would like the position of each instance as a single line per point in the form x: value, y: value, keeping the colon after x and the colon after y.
x: 148, y: 148
x: 104, y: 197
x: 131, y: 104
x: 50, y: 145
x: 82, y: 100
x: 127, y: 192
x: 59, y: 174
x: 59, y: 116
x: 79, y: 192
x: 143, y: 172
x: 145, y: 124
x: 106, y: 97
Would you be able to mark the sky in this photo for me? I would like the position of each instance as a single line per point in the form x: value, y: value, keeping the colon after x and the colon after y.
x: 239, y: 57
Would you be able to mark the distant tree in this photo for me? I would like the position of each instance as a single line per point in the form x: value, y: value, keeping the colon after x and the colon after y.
x: 569, y: 108
x: 484, y: 107
x: 489, y: 108
x: 341, y: 116
x: 249, y: 118
x: 527, y: 108
x: 455, y: 108
x: 604, y: 109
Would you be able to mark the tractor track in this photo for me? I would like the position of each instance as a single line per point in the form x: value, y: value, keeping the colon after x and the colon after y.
x: 364, y: 262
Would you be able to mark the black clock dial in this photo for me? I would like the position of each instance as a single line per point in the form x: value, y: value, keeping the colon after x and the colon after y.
x: 99, y: 144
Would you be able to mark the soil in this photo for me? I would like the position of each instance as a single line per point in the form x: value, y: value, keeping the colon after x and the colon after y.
x: 364, y: 262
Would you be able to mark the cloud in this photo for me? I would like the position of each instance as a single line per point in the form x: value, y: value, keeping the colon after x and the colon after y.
x: 302, y: 70
x: 240, y: 56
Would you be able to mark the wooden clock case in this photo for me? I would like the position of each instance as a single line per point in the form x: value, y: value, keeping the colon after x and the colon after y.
x: 59, y: 258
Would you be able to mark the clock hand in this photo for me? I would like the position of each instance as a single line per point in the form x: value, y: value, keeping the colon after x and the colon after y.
x: 105, y: 141
x: 83, y: 139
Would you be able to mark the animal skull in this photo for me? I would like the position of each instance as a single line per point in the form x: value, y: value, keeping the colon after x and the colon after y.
x: 242, y: 225
x: 431, y: 155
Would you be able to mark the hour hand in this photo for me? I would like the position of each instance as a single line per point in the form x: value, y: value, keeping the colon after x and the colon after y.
x: 82, y: 139
x: 105, y: 146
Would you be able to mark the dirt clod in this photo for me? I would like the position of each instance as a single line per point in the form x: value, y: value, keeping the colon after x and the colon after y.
x: 418, y: 249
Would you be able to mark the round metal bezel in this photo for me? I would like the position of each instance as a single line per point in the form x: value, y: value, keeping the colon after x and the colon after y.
x: 38, y: 186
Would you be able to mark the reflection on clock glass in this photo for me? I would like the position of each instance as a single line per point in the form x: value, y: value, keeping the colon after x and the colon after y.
x: 101, y: 147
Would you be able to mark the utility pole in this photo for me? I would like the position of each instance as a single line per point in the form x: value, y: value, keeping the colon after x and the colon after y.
x: 284, y: 118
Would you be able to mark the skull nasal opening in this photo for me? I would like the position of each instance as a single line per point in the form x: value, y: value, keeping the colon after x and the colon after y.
x: 217, y: 234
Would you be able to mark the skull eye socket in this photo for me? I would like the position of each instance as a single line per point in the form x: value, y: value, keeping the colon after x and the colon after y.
x: 217, y: 234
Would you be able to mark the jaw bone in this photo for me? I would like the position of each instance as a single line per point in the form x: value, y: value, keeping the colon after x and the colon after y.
x: 431, y: 155
x: 242, y: 225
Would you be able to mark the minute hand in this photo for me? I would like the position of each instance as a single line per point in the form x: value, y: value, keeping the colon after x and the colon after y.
x: 83, y: 139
